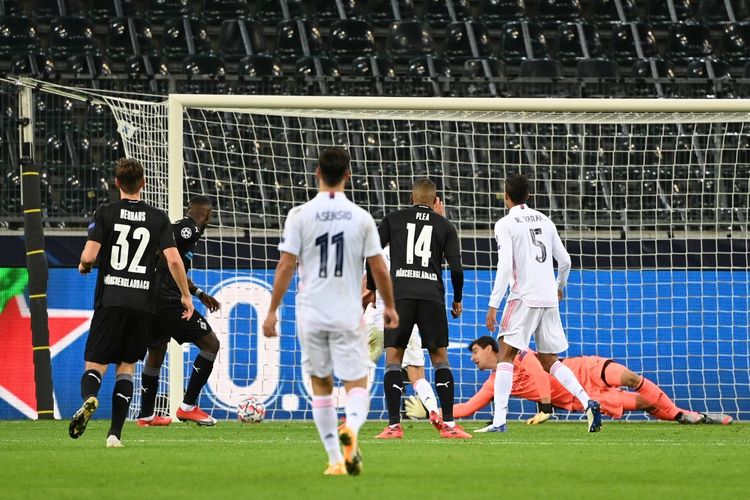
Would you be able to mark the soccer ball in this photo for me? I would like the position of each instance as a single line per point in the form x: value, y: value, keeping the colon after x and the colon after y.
x: 251, y: 411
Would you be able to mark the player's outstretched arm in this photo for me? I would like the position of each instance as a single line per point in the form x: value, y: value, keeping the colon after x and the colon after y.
x: 503, y: 276
x: 281, y: 281
x: 382, y: 278
x: 88, y: 256
x: 562, y: 257
x: 177, y: 270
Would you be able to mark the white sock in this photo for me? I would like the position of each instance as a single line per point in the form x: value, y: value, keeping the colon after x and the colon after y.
x: 324, y: 415
x: 148, y: 419
x: 503, y: 385
x: 185, y: 407
x: 357, y: 406
x: 565, y: 376
x: 426, y: 395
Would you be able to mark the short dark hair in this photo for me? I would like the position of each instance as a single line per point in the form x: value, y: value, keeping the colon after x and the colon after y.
x: 333, y: 163
x: 483, y: 342
x: 517, y: 187
x: 129, y: 172
x: 200, y: 201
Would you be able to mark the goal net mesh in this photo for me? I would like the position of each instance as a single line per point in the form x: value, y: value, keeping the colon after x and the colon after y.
x: 652, y: 207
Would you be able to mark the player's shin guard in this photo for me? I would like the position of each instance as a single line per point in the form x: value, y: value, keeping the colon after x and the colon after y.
x: 503, y: 385
x: 444, y: 387
x: 149, y: 388
x: 665, y: 409
x: 567, y: 379
x: 202, y: 366
x: 393, y: 386
x: 357, y: 406
x: 324, y: 415
x: 426, y: 395
x: 91, y: 381
x: 121, y: 396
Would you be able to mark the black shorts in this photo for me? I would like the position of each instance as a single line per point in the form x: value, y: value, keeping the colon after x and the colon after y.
x: 117, y: 335
x: 168, y: 324
x: 431, y: 319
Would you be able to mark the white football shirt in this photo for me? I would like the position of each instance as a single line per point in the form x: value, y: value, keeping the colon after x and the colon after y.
x: 331, y: 236
x: 527, y: 241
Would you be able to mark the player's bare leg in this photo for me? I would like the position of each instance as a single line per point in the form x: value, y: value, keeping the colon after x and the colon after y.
x: 324, y: 416
x: 121, y: 396
x: 150, y: 386
x: 551, y: 363
x: 357, y: 407
x: 91, y: 381
x: 425, y: 394
x: 202, y: 367
x: 444, y: 386
x: 393, y: 387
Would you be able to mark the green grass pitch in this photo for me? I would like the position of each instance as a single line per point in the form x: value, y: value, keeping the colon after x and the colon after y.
x: 276, y: 460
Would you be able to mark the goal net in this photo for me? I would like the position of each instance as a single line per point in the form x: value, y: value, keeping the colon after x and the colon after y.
x: 650, y: 197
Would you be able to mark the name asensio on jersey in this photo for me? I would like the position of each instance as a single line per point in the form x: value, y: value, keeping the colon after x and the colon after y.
x: 411, y: 273
x: 133, y: 216
x: 333, y: 215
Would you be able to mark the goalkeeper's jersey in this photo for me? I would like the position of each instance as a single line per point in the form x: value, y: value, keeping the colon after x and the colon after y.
x: 330, y: 236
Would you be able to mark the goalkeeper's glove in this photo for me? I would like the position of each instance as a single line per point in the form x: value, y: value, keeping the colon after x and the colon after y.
x: 375, y: 343
x: 414, y: 408
x: 539, y: 418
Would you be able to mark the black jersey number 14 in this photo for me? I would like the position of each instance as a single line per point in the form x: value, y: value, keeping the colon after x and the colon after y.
x: 322, y: 241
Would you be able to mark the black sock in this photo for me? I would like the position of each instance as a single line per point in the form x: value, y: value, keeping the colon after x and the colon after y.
x: 121, y: 396
x: 91, y: 381
x: 394, y: 388
x: 149, y: 388
x: 202, y: 366
x: 444, y: 388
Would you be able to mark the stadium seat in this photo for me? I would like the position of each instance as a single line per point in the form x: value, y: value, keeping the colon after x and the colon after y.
x: 577, y: 41
x: 687, y: 41
x: 719, y: 12
x: 129, y: 36
x: 272, y: 12
x: 607, y: 12
x: 148, y: 66
x: 662, y: 13
x: 715, y: 72
x: 258, y: 66
x: 101, y: 11
x: 483, y: 68
x: 11, y: 8
x: 327, y: 11
x: 407, y: 39
x: 653, y: 68
x: 552, y: 12
x: 602, y: 69
x: 522, y: 40
x: 495, y: 13
x: 350, y: 39
x: 628, y: 38
x: 541, y: 68
x: 441, y: 12
x: 43, y: 11
x: 385, y: 12
x: 217, y: 11
x: 204, y: 65
x: 735, y: 43
x: 374, y: 66
x: 36, y: 64
x: 71, y: 36
x: 160, y: 11
x: 89, y: 66
x: 314, y: 66
x: 185, y: 36
x: 17, y: 36
x: 297, y: 38
x: 84, y: 188
x: 429, y: 67
x: 465, y: 40
x: 241, y: 37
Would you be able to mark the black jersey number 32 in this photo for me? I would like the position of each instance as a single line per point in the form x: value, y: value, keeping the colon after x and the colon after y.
x: 121, y: 249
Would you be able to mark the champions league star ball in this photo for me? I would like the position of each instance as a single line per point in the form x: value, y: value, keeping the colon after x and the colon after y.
x: 251, y: 411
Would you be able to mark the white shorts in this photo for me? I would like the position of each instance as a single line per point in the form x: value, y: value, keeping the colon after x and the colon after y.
x: 413, y: 355
x: 520, y: 322
x: 344, y: 354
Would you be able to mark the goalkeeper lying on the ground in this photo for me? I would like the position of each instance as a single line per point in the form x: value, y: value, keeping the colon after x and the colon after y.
x: 600, y: 377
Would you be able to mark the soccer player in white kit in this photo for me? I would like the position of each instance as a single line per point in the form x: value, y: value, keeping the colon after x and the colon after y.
x: 527, y: 240
x: 330, y: 236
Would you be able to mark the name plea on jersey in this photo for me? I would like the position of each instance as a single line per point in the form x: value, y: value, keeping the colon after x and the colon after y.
x: 127, y: 282
x: 423, y: 215
x: 333, y: 215
x: 411, y: 273
x: 132, y: 216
